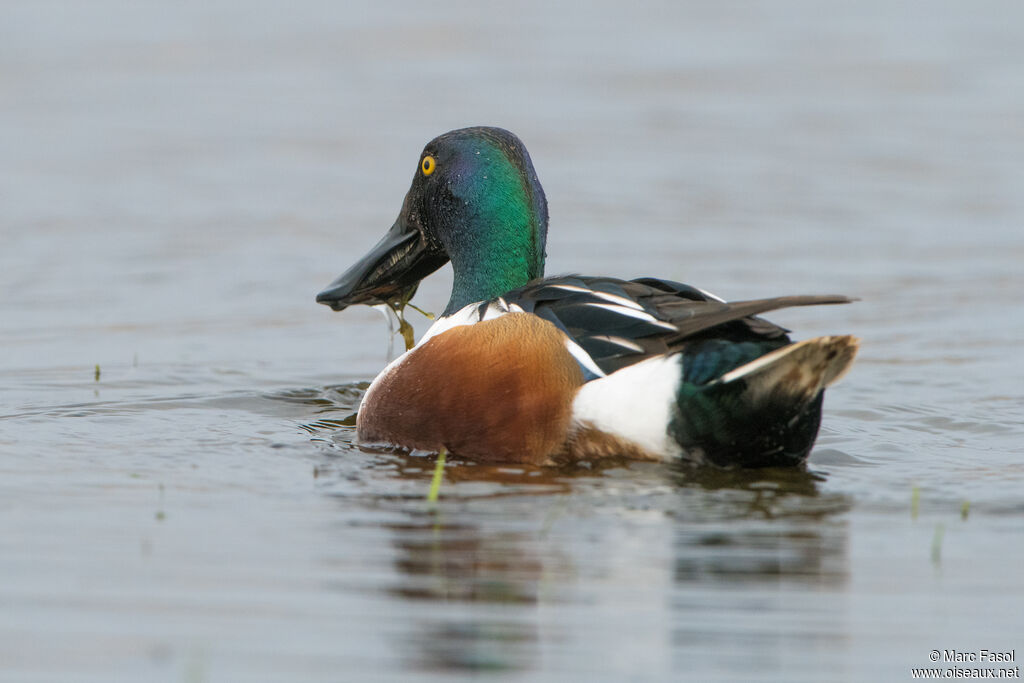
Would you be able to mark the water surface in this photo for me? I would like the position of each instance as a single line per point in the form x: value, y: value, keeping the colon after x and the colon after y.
x: 178, y: 183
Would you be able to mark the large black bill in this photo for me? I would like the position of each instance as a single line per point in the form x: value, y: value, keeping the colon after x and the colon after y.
x: 390, y: 272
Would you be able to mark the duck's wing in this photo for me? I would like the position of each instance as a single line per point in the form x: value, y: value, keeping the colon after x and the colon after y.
x: 621, y: 322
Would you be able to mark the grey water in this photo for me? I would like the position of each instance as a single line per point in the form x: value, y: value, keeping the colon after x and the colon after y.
x: 180, y: 496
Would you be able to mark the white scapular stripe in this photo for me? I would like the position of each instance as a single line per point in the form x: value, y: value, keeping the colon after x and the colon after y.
x: 582, y: 357
x: 627, y: 344
x: 610, y: 298
x: 634, y: 313
x: 710, y: 295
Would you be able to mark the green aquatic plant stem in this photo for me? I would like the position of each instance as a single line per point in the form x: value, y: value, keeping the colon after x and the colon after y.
x: 937, y: 543
x: 426, y: 314
x: 408, y: 335
x: 404, y: 328
x: 435, y: 482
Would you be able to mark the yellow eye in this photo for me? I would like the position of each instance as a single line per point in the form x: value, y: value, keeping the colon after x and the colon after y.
x: 428, y: 165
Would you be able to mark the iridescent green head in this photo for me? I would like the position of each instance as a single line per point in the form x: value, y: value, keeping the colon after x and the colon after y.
x: 475, y: 200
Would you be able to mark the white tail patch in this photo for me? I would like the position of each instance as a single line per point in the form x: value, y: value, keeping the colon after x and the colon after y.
x: 803, y: 368
x: 634, y: 405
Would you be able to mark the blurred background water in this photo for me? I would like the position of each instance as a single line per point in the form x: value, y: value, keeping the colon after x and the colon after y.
x: 179, y: 180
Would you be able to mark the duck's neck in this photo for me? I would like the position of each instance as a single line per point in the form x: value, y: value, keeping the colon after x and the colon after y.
x: 491, y: 273
x: 502, y: 247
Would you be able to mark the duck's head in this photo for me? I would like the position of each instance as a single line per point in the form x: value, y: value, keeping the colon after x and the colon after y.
x: 475, y: 200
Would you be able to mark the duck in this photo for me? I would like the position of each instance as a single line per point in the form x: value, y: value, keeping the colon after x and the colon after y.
x: 525, y: 369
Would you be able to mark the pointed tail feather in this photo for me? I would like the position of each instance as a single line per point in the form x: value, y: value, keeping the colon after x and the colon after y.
x: 765, y: 412
x: 803, y: 368
x: 734, y: 310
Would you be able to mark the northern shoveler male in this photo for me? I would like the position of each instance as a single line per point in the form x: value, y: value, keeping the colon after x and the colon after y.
x: 525, y: 369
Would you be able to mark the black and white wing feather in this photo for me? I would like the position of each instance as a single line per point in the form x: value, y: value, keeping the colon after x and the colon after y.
x: 621, y: 322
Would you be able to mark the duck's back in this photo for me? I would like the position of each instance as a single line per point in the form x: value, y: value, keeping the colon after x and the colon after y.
x: 674, y: 372
x: 618, y: 323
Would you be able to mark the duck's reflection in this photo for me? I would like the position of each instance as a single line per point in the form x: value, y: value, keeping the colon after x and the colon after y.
x: 516, y: 568
x: 761, y: 590
x: 467, y: 586
x: 458, y: 562
x: 758, y: 525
